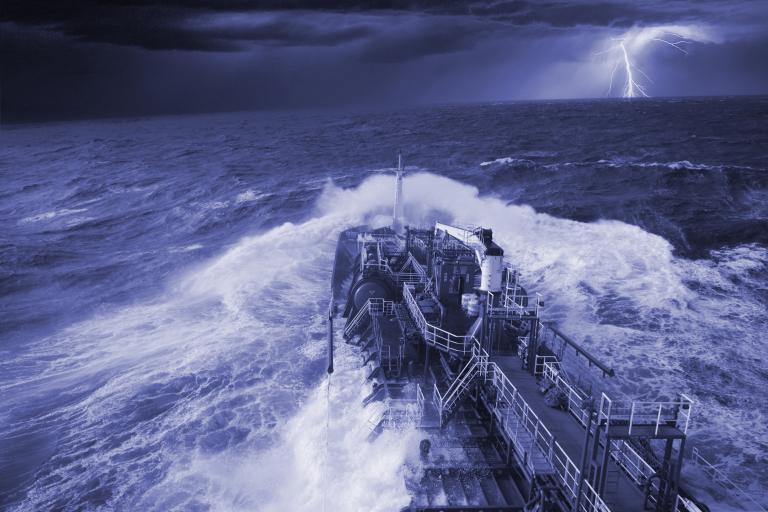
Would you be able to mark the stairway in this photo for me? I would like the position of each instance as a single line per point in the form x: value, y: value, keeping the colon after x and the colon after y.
x: 447, y: 401
x: 406, y: 323
x: 465, y: 472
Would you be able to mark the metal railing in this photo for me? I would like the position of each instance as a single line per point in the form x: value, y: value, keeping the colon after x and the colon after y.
x: 433, y: 335
x: 538, y: 368
x: 623, y: 454
x: 396, y: 414
x: 419, y: 274
x: 567, y: 473
x: 522, y: 347
x: 720, y: 478
x: 373, y: 306
x: 477, y: 365
x: 634, y: 465
x: 575, y: 400
x: 513, y: 412
x: 420, y: 398
x: 591, y: 501
x: 414, y: 263
x: 655, y: 414
x: 533, y: 441
x: 509, y: 306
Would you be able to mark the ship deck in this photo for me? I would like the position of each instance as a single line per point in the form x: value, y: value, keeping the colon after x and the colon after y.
x: 624, y: 495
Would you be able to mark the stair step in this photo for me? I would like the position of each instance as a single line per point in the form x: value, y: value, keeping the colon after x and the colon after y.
x: 491, y: 490
x: 472, y: 490
x: 453, y: 489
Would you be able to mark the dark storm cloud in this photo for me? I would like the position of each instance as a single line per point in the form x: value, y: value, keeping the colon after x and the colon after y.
x: 189, y: 24
x: 181, y: 27
x: 423, y: 37
x: 600, y: 14
x: 88, y: 58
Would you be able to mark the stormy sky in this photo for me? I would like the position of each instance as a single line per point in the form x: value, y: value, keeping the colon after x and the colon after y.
x: 86, y: 59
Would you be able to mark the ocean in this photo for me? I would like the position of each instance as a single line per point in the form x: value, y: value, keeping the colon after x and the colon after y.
x: 163, y: 284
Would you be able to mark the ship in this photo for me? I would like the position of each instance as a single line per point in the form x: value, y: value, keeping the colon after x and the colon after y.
x: 515, y: 414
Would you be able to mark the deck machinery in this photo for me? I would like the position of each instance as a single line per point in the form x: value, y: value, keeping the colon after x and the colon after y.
x: 456, y: 346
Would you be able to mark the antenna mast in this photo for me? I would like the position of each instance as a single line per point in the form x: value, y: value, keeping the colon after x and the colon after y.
x: 397, y: 214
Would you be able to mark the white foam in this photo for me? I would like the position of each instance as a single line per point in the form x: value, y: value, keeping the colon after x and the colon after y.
x: 314, y: 469
x: 52, y: 214
x: 508, y: 160
x: 186, y: 248
x: 261, y: 302
x: 249, y: 196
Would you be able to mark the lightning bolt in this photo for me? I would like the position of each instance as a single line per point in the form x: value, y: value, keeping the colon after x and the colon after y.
x: 631, y: 88
x: 622, y: 51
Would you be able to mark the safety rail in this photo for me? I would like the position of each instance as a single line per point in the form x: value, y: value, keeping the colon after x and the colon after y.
x: 433, y: 335
x: 720, y: 478
x: 477, y: 365
x: 398, y: 277
x: 566, y: 470
x: 655, y: 414
x: 396, y: 413
x: 558, y: 341
x: 414, y: 263
x: 567, y: 473
x: 575, y: 400
x: 522, y: 347
x: 686, y: 505
x: 373, y: 306
x: 624, y: 455
x: 591, y: 501
x: 380, y: 263
x: 533, y: 441
x: 512, y: 409
x: 508, y: 306
x: 462, y: 382
x: 635, y: 466
x: 538, y: 368
x: 420, y: 398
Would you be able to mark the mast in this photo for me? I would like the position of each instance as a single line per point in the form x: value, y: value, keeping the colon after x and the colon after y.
x: 397, y: 213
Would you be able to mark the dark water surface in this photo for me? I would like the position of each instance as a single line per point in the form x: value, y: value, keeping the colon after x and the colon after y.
x: 162, y: 280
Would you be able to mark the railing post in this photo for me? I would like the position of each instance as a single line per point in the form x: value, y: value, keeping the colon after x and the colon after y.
x: 658, y: 420
x: 631, y: 417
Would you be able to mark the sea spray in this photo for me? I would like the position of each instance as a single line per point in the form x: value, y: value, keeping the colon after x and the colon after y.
x: 326, y: 461
x: 210, y: 388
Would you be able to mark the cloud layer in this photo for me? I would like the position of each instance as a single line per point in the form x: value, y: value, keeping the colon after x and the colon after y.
x: 283, y: 54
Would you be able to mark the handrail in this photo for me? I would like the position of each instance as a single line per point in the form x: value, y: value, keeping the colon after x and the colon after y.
x: 591, y: 501
x: 419, y: 276
x: 579, y: 349
x: 625, y: 456
x: 510, y: 305
x: 477, y: 365
x: 357, y: 318
x: 722, y: 479
x: 634, y: 465
x: 387, y: 419
x: 420, y: 398
x: 373, y: 306
x: 575, y: 399
x: 566, y: 470
x: 432, y: 334
x: 542, y: 361
x: 641, y: 413
x: 510, y: 402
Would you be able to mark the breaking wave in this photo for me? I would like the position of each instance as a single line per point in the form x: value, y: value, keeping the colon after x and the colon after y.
x: 526, y: 160
x: 215, y: 388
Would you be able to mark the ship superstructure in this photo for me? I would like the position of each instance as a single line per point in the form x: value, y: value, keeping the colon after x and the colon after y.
x: 457, y: 346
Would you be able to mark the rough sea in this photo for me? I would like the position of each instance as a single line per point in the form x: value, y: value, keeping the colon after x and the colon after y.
x: 163, y: 283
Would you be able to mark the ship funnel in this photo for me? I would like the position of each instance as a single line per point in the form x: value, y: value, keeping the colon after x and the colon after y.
x: 397, y: 213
